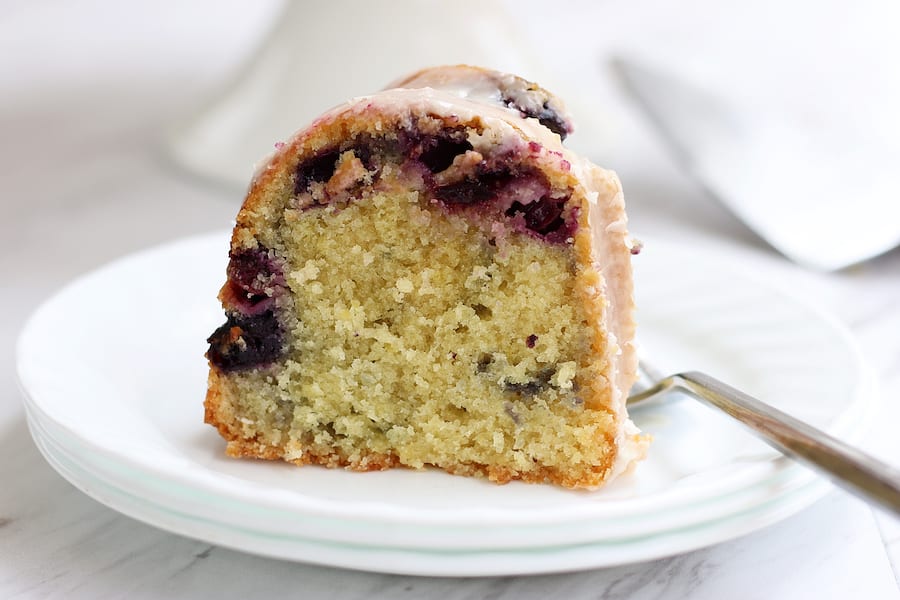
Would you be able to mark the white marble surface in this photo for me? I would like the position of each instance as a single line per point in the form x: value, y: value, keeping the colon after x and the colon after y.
x: 83, y: 180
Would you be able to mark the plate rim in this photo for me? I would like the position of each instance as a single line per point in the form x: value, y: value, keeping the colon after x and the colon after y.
x: 788, y: 479
x: 461, y: 562
x: 491, y: 515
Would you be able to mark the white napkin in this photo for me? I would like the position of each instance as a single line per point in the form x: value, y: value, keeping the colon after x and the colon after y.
x: 790, y: 114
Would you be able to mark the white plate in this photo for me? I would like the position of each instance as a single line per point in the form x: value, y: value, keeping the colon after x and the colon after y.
x: 114, y: 376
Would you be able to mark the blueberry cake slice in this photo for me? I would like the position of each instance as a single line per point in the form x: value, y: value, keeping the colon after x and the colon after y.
x: 426, y: 277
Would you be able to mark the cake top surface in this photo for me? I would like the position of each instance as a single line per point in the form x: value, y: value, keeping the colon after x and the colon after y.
x: 515, y: 108
x: 489, y: 87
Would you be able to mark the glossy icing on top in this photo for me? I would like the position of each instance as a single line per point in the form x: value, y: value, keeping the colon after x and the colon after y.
x: 520, y: 96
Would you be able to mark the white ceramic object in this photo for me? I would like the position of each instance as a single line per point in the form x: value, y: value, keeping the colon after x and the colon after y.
x: 321, y: 54
x: 114, y: 377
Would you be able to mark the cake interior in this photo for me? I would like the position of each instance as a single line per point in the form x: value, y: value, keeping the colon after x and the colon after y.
x: 416, y: 334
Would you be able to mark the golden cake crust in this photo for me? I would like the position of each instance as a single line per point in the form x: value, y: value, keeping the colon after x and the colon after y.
x: 599, y: 250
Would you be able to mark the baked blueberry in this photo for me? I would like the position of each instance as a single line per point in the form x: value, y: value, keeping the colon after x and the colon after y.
x: 245, y: 342
x: 317, y: 169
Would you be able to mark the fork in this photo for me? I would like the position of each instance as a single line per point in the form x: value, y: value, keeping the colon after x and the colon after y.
x: 846, y: 466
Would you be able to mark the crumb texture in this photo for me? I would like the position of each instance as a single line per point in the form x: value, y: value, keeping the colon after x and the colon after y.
x: 416, y: 291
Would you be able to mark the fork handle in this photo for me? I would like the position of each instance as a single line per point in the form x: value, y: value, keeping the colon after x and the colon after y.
x: 846, y: 466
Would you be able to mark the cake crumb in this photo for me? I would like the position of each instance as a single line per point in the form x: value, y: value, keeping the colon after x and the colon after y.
x: 564, y: 375
x: 404, y: 285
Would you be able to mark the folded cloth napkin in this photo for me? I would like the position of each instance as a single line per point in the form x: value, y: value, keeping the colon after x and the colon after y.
x: 787, y: 112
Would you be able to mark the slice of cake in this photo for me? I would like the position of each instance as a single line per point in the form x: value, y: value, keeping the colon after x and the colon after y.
x: 426, y: 277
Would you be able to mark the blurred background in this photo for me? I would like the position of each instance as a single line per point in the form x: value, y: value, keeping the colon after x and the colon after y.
x: 775, y: 122
x: 767, y: 107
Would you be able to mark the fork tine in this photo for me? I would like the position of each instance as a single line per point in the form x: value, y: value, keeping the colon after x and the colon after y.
x: 847, y: 466
x: 649, y: 372
x: 651, y: 382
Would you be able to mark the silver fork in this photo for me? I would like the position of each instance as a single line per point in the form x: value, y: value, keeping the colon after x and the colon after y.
x: 846, y: 466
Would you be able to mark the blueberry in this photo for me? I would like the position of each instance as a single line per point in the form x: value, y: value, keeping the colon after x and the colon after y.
x: 255, y: 279
x: 254, y: 271
x: 317, y: 169
x: 529, y: 388
x: 545, y: 115
x: 438, y: 152
x: 543, y: 216
x: 552, y: 121
x: 238, y: 300
x: 244, y: 342
x: 474, y: 190
x: 537, y: 384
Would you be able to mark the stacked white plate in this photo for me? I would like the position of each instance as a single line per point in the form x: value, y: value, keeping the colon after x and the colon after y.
x: 114, y: 377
